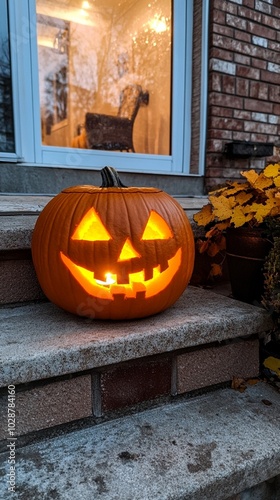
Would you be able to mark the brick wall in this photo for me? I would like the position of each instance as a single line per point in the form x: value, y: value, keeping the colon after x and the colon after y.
x: 244, y: 82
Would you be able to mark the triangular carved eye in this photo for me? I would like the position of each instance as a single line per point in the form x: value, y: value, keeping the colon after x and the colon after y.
x: 91, y: 228
x: 156, y: 228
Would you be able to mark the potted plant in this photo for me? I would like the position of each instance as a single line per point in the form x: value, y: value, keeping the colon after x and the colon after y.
x: 270, y: 347
x: 239, y: 223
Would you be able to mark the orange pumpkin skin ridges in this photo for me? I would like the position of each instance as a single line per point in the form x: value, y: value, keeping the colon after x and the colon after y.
x: 60, y: 256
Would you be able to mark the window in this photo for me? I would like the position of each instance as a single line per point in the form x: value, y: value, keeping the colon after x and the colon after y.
x: 102, y: 63
x: 7, y: 143
x: 78, y: 64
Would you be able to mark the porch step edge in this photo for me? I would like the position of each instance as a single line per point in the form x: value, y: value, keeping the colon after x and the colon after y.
x: 213, y: 446
x: 40, y: 341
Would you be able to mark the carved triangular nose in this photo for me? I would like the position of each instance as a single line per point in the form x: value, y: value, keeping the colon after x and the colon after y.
x: 127, y: 251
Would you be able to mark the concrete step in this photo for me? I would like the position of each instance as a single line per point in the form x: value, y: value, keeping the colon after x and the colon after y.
x: 18, y: 215
x: 66, y: 368
x: 219, y: 446
x: 71, y: 372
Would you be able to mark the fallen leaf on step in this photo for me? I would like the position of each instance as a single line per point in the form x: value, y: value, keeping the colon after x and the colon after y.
x: 238, y: 384
x: 266, y: 402
x: 253, y: 381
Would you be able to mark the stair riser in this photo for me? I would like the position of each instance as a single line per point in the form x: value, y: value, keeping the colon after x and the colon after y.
x: 95, y: 393
x: 18, y: 281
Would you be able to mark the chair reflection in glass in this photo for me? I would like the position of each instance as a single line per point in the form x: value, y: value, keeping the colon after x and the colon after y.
x: 115, y: 133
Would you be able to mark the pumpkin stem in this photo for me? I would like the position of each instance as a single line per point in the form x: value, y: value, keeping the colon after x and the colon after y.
x: 110, y: 178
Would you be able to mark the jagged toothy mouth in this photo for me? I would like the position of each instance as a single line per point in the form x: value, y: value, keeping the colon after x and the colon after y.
x: 137, y: 286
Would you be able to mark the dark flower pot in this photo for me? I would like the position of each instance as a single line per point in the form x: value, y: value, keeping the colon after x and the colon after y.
x: 246, y: 252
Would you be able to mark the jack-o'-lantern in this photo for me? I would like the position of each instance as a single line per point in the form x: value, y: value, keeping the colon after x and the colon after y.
x: 113, y: 252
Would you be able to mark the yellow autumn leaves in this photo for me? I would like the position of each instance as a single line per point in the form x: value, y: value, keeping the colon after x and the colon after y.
x: 239, y: 203
x: 242, y: 202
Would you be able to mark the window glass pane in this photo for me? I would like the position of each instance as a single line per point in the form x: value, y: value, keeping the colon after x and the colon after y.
x: 105, y: 74
x: 7, y: 143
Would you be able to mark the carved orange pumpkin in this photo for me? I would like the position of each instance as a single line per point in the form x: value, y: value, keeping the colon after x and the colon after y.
x: 113, y: 252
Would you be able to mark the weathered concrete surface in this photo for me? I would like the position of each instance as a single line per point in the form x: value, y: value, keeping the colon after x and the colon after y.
x: 18, y: 215
x: 40, y: 341
x: 23, y: 204
x: 211, y: 447
x: 16, y: 232
x: 24, y: 178
x: 18, y: 281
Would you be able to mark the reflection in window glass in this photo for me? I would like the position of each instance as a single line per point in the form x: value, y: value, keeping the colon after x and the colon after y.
x: 105, y: 74
x: 7, y: 143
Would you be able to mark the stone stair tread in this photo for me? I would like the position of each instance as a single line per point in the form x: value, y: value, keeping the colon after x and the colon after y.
x: 18, y: 215
x: 17, y: 204
x: 16, y: 232
x: 209, y: 447
x: 39, y: 341
x: 28, y: 203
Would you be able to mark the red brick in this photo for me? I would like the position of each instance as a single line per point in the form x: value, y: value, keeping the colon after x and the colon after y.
x: 214, y: 145
x: 259, y: 138
x: 215, y: 82
x: 275, y: 140
x: 241, y: 136
x: 259, y: 106
x: 226, y: 173
x: 242, y: 115
x: 253, y: 50
x: 236, y: 22
x: 54, y: 403
x: 220, y: 134
x: 274, y: 48
x: 272, y: 22
x: 228, y: 101
x: 245, y: 48
x: 241, y: 59
x: 258, y: 63
x: 219, y: 17
x: 223, y: 30
x: 249, y: 3
x: 220, y: 111
x: 268, y: 76
x: 225, y: 6
x: 226, y: 43
x: 134, y: 383
x: 274, y: 93
x: 214, y: 365
x: 243, y: 11
x: 225, y: 55
x: 228, y: 84
x: 245, y: 72
x: 242, y: 87
x: 241, y: 35
x: 259, y: 90
x: 261, y: 30
x: 215, y: 161
x: 225, y: 123
x: 260, y: 128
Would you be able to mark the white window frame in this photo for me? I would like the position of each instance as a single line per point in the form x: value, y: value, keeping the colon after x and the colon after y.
x: 25, y: 78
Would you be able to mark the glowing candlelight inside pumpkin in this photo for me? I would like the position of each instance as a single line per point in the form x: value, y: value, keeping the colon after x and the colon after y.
x: 109, y: 280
